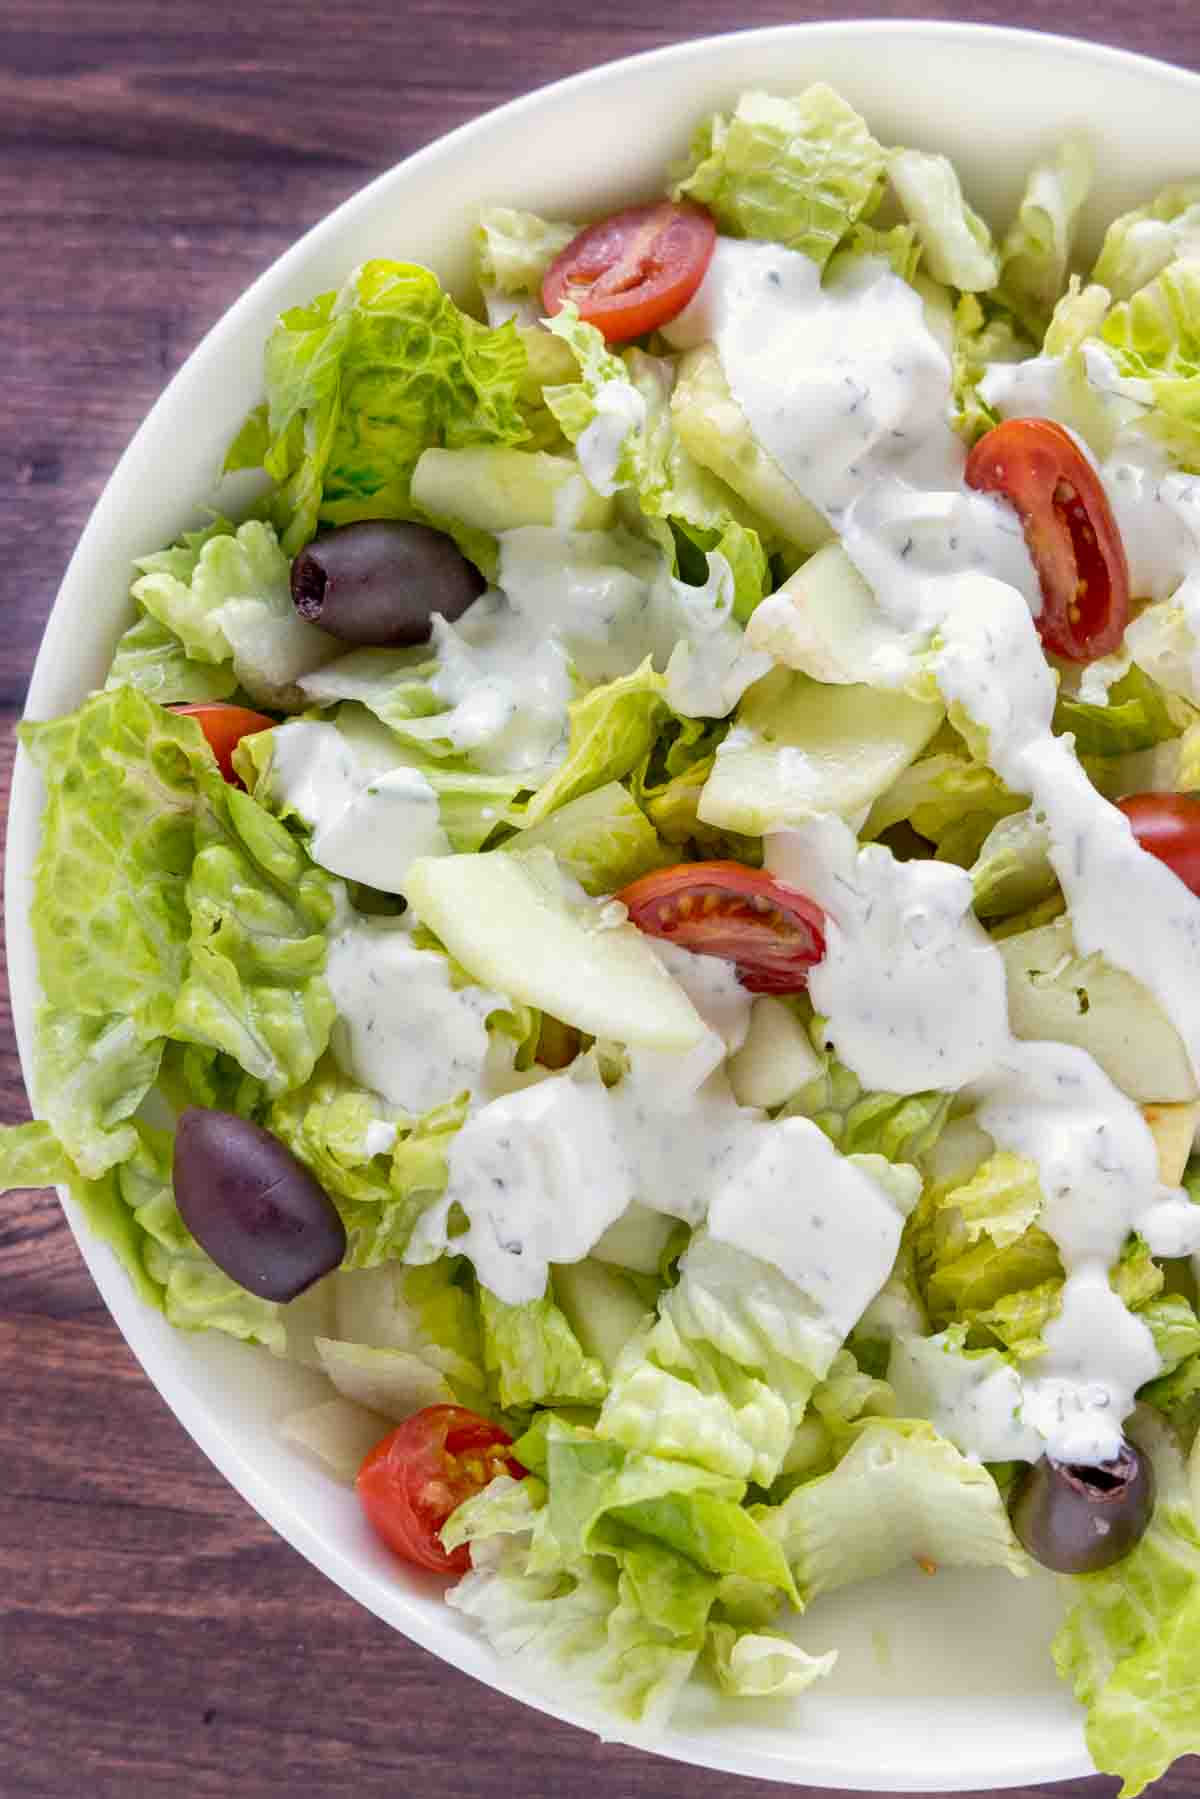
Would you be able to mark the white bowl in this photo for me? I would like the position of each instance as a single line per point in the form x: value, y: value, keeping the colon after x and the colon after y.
x: 943, y: 1684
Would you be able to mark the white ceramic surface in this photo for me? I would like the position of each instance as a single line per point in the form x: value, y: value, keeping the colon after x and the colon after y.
x: 945, y: 1683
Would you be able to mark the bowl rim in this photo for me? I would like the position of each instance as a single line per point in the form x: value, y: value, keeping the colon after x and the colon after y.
x: 203, y: 1423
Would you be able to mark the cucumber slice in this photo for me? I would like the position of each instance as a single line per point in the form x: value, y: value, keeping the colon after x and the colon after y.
x: 1056, y: 994
x: 636, y: 1240
x: 824, y: 621
x: 801, y: 747
x: 600, y: 1306
x: 715, y: 430
x: 512, y: 925
x: 776, y: 1059
x: 497, y: 490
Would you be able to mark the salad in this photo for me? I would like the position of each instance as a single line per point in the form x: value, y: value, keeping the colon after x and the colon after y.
x: 638, y: 909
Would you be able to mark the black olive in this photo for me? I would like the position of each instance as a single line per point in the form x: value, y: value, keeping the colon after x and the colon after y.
x: 257, y: 1211
x: 1076, y: 1519
x: 380, y: 582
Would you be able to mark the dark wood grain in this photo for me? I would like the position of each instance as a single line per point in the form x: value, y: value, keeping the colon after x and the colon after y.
x: 156, y: 1640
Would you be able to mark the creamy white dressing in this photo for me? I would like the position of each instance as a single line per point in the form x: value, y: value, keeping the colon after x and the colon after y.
x: 848, y: 390
x: 974, y: 1400
x: 506, y: 684
x: 620, y: 409
x: 402, y: 1028
x: 369, y: 821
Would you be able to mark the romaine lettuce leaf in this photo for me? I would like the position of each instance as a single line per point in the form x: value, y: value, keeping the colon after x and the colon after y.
x: 900, y: 1127
x: 900, y: 1494
x: 429, y: 1313
x: 1139, y: 245
x: 361, y: 381
x: 1155, y: 337
x: 1013, y: 870
x: 981, y: 338
x: 799, y: 171
x: 32, y: 1156
x: 260, y: 913
x: 228, y: 599
x: 762, y: 1664
x: 1135, y: 717
x: 92, y: 1075
x: 1036, y: 251
x: 950, y: 799
x: 1127, y: 1646
x: 612, y: 730
x: 151, y: 657
x: 957, y: 243
x: 514, y: 249
x: 603, y: 839
x: 533, y: 1357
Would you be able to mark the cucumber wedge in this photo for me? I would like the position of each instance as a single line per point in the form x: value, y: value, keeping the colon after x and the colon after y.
x: 775, y: 1060
x: 512, y: 925
x: 600, y: 1306
x: 825, y: 621
x: 636, y: 1240
x: 497, y: 489
x: 1057, y: 994
x: 801, y: 747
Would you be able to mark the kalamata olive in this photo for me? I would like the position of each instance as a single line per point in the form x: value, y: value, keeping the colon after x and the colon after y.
x: 258, y: 1212
x: 1076, y: 1520
x: 380, y: 581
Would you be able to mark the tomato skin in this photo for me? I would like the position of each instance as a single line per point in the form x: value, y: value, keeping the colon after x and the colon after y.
x: 634, y: 271
x: 422, y: 1471
x: 771, y: 932
x: 1168, y: 826
x: 1070, y: 530
x: 225, y: 726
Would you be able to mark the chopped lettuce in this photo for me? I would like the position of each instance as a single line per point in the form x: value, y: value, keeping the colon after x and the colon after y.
x: 151, y: 657
x: 359, y: 382
x: 1035, y: 253
x: 799, y: 171
x: 260, y: 911
x: 603, y: 839
x: 1127, y: 1645
x: 957, y: 244
x: 1013, y: 870
x: 763, y: 1664
x: 32, y: 1156
x: 948, y: 798
x: 228, y: 600
x: 900, y: 1494
x: 514, y: 249
x: 1135, y: 716
x: 613, y: 729
x: 533, y: 1357
x: 1139, y: 245
x: 1154, y: 337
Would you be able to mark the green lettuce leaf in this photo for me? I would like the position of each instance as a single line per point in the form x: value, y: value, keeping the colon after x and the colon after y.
x: 533, y: 1357
x: 1013, y: 870
x: 110, y: 914
x: 32, y: 1156
x: 762, y: 1664
x: 429, y: 1314
x: 92, y: 1075
x: 1127, y: 1645
x: 799, y: 171
x: 381, y: 1196
x: 1155, y: 337
x: 1135, y: 717
x: 226, y: 595
x: 612, y: 730
x: 951, y: 800
x: 603, y: 839
x: 901, y: 1493
x: 981, y: 337
x: 1139, y: 245
x: 899, y: 1127
x: 1035, y: 253
x: 514, y: 249
x: 151, y: 657
x: 361, y: 381
x: 260, y: 913
x: 957, y: 243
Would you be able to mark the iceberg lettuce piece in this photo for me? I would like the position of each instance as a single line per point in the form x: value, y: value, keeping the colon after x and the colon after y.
x: 799, y: 171
x: 957, y: 244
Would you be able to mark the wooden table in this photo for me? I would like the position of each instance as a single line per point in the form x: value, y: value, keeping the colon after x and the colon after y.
x: 158, y: 1642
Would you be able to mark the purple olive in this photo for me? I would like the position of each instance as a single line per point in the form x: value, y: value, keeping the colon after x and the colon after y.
x: 257, y: 1211
x: 1076, y: 1520
x: 380, y: 582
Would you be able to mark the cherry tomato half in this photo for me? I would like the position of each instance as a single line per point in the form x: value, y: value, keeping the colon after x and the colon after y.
x: 632, y: 272
x: 771, y: 932
x: 1168, y: 826
x: 225, y: 726
x: 1069, y: 528
x: 422, y: 1471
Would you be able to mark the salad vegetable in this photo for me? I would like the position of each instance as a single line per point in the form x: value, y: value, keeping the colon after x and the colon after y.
x: 641, y: 915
